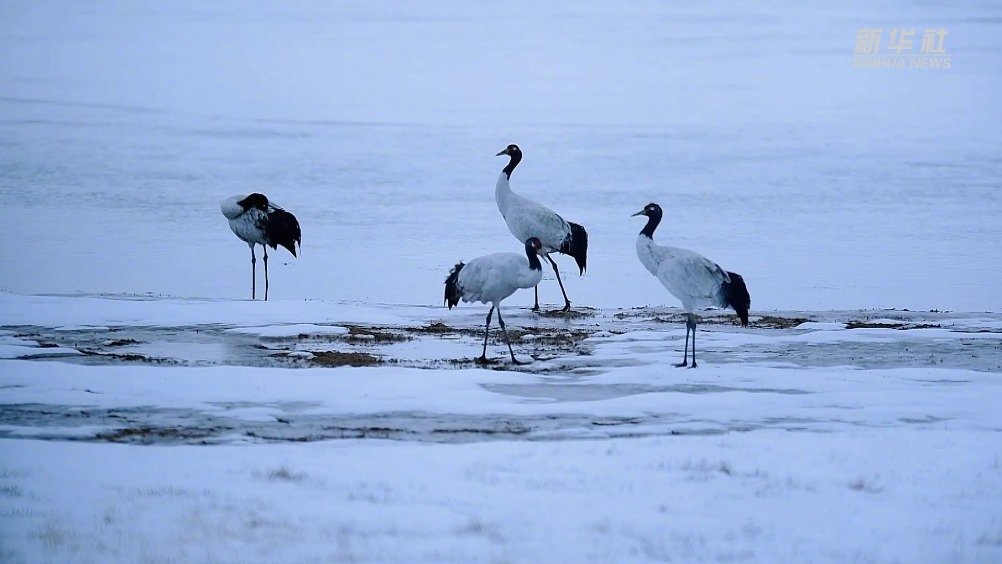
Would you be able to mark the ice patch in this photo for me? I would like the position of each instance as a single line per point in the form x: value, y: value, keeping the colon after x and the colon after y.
x: 292, y: 330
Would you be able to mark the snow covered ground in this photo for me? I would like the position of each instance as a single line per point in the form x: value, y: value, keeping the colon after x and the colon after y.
x: 840, y: 436
x: 149, y: 412
x: 915, y: 495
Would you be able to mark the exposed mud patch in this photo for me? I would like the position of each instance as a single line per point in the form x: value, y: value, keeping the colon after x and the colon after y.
x: 776, y: 322
x: 437, y: 328
x: 712, y: 317
x: 368, y: 334
x: 720, y: 318
x: 859, y: 324
x: 151, y: 435
x: 573, y: 313
x: 357, y: 334
x: 130, y: 357
x: 120, y: 342
x: 335, y: 358
x: 549, y: 337
x: 544, y: 336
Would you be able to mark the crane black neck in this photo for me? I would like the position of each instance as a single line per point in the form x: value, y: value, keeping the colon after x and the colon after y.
x: 534, y: 263
x: 515, y: 159
x: 652, y: 223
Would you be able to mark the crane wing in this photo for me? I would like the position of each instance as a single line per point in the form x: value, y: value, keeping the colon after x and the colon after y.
x: 526, y: 218
x: 691, y: 277
x: 492, y: 277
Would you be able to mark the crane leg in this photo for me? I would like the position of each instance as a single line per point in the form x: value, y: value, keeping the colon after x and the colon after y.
x: 690, y: 325
x: 536, y: 307
x: 253, y: 274
x: 487, y: 329
x: 507, y: 342
x: 692, y: 319
x: 685, y: 355
x: 265, y: 272
x: 567, y: 303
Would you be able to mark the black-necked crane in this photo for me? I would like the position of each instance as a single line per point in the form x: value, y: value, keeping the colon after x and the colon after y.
x: 492, y: 278
x: 693, y: 279
x: 256, y: 221
x: 526, y: 218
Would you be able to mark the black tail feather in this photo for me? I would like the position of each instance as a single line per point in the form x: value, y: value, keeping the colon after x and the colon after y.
x: 577, y: 246
x: 736, y: 294
x: 283, y: 229
x: 452, y: 292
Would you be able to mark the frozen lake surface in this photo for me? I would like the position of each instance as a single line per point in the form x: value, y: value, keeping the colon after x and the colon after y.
x: 149, y: 412
x: 827, y: 186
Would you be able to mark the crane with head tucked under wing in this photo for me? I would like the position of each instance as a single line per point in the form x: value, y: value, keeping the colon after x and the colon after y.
x: 256, y: 221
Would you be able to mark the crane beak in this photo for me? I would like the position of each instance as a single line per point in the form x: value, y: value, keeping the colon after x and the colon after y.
x: 503, y: 152
x: 641, y: 212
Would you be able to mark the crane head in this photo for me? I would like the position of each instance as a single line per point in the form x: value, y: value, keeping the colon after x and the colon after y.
x: 509, y: 150
x: 650, y: 210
